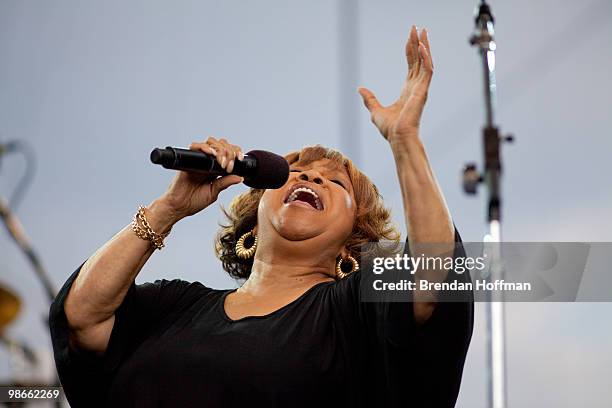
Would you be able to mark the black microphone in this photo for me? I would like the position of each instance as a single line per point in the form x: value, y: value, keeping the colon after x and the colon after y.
x: 259, y: 168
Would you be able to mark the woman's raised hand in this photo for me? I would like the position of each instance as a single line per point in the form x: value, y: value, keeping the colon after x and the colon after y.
x: 400, y: 121
x: 191, y: 192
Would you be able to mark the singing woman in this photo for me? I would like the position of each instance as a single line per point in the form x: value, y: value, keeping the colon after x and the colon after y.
x: 295, y: 333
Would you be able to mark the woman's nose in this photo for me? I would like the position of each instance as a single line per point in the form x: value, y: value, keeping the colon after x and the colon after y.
x: 311, y: 175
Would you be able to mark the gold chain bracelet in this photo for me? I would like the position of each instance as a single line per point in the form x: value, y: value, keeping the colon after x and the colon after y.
x: 145, y: 231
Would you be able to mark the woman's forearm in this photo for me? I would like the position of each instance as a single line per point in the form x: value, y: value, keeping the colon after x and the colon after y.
x: 427, y: 217
x: 106, y: 276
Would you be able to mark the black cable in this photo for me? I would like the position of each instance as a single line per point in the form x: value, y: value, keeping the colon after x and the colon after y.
x: 25, y: 181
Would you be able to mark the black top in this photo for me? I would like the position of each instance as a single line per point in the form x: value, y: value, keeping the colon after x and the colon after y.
x: 172, y: 345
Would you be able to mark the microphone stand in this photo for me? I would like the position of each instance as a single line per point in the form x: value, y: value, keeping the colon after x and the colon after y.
x: 483, y: 39
x: 15, y: 230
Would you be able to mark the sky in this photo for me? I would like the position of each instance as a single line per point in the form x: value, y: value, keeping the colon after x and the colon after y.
x: 93, y: 86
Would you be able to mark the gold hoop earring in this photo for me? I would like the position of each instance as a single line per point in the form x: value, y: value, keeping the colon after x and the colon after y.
x: 340, y: 273
x: 241, y: 251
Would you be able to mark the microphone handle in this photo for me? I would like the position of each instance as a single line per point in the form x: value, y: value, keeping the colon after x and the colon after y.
x: 175, y: 158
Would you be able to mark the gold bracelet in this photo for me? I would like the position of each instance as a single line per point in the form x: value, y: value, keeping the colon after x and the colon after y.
x: 146, y: 232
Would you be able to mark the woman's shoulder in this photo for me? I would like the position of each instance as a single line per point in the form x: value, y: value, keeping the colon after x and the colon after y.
x: 174, y: 283
x: 169, y: 290
x: 180, y: 284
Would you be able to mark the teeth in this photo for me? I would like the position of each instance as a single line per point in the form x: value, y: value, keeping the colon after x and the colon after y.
x: 298, y: 190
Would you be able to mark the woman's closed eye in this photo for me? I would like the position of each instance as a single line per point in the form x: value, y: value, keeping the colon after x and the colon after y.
x: 339, y: 183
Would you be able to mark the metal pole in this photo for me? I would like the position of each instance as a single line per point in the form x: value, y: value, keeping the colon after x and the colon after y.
x: 483, y: 39
x: 495, y: 316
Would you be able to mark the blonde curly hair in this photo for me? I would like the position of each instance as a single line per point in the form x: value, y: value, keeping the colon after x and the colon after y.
x: 372, y: 223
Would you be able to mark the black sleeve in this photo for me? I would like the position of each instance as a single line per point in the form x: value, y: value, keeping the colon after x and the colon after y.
x: 427, y: 359
x: 86, y: 377
x: 443, y: 342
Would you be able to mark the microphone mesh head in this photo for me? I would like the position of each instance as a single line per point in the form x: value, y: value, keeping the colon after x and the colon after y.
x: 272, y: 170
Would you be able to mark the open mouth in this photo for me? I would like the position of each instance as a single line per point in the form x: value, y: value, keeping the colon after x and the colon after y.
x: 305, y: 195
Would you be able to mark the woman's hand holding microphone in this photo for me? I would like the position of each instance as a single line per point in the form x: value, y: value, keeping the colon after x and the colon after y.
x: 190, y: 192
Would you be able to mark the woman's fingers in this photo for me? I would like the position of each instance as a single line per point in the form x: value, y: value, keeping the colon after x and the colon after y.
x: 235, y: 154
x: 219, y: 147
x: 204, y: 147
x: 412, y: 51
x: 410, y: 55
x: 424, y: 38
x: 427, y: 62
x: 231, y: 152
x: 414, y: 55
x: 225, y: 152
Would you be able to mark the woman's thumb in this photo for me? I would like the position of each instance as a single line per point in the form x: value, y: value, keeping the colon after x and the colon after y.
x: 224, y: 182
x: 369, y: 99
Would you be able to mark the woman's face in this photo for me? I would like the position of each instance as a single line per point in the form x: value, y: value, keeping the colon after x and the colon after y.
x: 317, y: 202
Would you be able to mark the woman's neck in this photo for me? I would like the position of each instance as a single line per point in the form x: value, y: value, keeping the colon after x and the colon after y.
x: 284, y: 276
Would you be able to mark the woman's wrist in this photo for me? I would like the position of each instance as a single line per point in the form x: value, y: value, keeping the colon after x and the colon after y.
x: 162, y: 216
x: 405, y: 145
